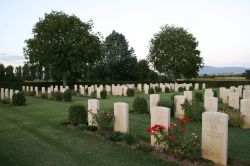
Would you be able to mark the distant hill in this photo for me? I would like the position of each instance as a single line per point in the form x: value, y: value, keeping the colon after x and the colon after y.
x: 222, y: 70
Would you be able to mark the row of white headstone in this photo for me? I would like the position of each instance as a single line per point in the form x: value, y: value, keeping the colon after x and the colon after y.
x: 7, y: 93
x: 214, y: 127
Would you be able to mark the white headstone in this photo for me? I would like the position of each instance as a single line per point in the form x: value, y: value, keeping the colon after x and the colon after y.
x: 188, y: 95
x: 196, y: 86
x: 245, y: 111
x: 2, y: 93
x: 179, y: 101
x: 215, y: 137
x: 211, y: 104
x: 11, y: 94
x: 154, y: 99
x: 93, y: 108
x: 36, y: 89
x: 43, y: 90
x: 226, y: 95
x: 6, y: 95
x: 246, y: 94
x: 121, y: 117
x: 160, y: 116
x: 222, y: 92
x: 234, y: 100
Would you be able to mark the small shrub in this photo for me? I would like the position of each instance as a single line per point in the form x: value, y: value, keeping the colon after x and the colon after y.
x: 18, y: 99
x: 193, y: 111
x: 215, y: 94
x: 151, y: 91
x: 198, y: 97
x: 140, y: 105
x: 168, y: 104
x: 191, y: 88
x: 129, y: 138
x: 103, y: 94
x: 157, y: 89
x: 58, y: 96
x: 130, y: 92
x: 167, y: 90
x: 180, y: 89
x: 93, y: 94
x: 144, y: 147
x: 103, y: 119
x: 5, y: 101
x: 77, y: 114
x: 67, y: 96
x: 85, y: 127
x: 30, y: 93
x: 236, y: 120
x: 115, y: 136
x: 44, y: 96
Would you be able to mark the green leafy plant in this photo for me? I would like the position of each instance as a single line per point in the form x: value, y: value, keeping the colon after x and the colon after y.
x: 180, y: 89
x: 67, y: 96
x: 198, y: 97
x: 130, y: 92
x: 103, y: 94
x: 103, y: 119
x: 236, y: 120
x: 167, y: 90
x: 93, y: 94
x: 77, y: 114
x: 193, y: 111
x: 157, y: 89
x: 85, y: 127
x: 129, y: 138
x: 18, y: 99
x: 58, y: 96
x: 191, y: 88
x: 140, y: 105
x: 44, y: 96
x: 5, y: 101
x: 215, y: 93
x: 151, y: 91
x: 115, y: 136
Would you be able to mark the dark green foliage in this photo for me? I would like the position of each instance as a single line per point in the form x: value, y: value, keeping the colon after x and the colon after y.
x: 58, y: 96
x: 77, y: 114
x: 130, y: 92
x: 247, y: 74
x: 103, y: 119
x: 5, y: 101
x: 167, y: 90
x: 180, y: 89
x: 115, y: 136
x: 168, y: 104
x: 151, y: 91
x: 235, y: 120
x: 18, y: 99
x: 129, y: 138
x: 63, y: 44
x: 193, y: 111
x: 93, y: 94
x: 143, y: 70
x: 84, y: 127
x: 67, y: 96
x: 173, y: 51
x: 29, y: 93
x: 44, y: 96
x: 144, y: 147
x: 215, y: 93
x: 191, y: 88
x: 140, y: 105
x: 103, y: 94
x: 198, y: 97
x: 157, y: 89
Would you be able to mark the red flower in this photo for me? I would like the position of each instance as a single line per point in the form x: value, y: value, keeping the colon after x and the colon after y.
x: 172, y: 138
x: 170, y: 127
x: 183, y: 129
x: 186, y: 120
x: 161, y: 127
x: 154, y: 128
x: 148, y: 130
x: 180, y: 121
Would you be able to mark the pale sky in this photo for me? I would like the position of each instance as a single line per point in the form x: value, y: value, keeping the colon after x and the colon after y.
x: 222, y: 27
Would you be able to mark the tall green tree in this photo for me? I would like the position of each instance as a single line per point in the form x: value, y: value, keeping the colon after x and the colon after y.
x: 62, y: 44
x: 9, y: 73
x: 2, y: 73
x: 18, y: 73
x: 119, y: 58
x: 173, y: 51
x: 26, y: 72
x: 143, y: 70
x: 247, y: 74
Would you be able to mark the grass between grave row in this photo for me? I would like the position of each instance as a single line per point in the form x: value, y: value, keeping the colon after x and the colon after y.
x: 32, y: 135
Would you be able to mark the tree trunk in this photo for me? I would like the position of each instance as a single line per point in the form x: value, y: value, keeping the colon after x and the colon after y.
x: 64, y: 80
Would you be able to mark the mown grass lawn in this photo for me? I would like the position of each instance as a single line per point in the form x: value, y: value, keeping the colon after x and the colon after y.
x: 33, y: 135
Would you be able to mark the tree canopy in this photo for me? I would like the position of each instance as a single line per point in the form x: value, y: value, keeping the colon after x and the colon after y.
x: 119, y: 59
x: 173, y: 51
x: 62, y: 44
